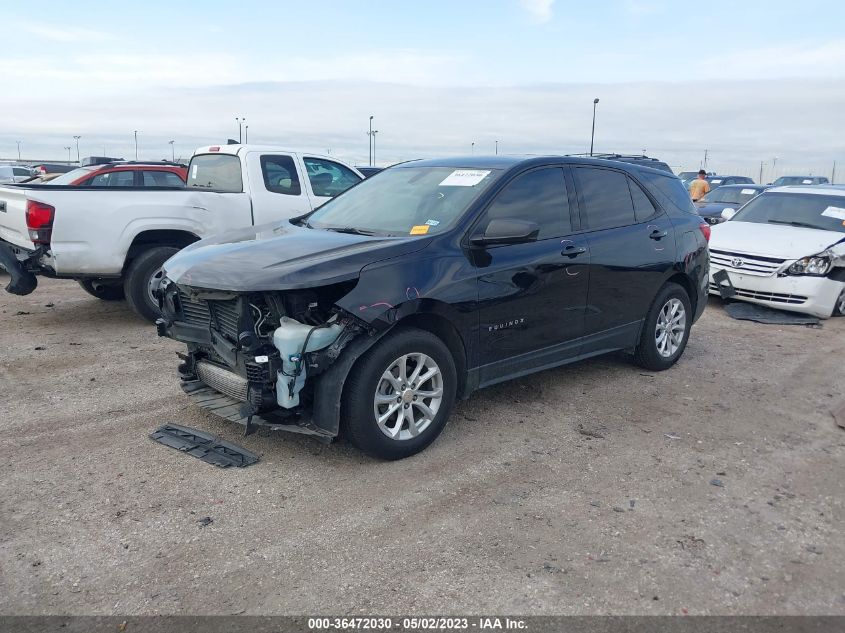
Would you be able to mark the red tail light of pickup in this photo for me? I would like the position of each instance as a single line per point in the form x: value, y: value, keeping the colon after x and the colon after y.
x: 39, y: 221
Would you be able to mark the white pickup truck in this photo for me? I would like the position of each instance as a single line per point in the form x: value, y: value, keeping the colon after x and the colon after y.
x: 113, y: 240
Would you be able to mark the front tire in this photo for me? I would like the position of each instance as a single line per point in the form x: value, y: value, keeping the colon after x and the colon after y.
x: 399, y: 395
x: 102, y: 290
x: 839, y: 308
x: 139, y: 277
x: 666, y: 329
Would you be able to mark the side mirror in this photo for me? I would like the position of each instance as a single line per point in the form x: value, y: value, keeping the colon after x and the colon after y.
x: 728, y: 213
x: 506, y: 231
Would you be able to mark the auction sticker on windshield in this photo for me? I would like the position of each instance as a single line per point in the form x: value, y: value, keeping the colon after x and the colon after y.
x: 420, y: 229
x: 746, y: 192
x: 834, y: 212
x: 464, y: 178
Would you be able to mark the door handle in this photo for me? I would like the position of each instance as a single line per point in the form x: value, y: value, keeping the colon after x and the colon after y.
x: 573, y: 251
x: 657, y: 234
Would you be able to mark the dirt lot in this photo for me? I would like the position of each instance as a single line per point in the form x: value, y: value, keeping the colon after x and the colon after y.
x: 587, y: 489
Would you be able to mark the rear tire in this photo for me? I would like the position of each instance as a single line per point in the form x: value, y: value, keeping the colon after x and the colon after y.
x: 666, y: 329
x: 102, y: 290
x: 140, y: 274
x: 839, y: 308
x: 384, y: 395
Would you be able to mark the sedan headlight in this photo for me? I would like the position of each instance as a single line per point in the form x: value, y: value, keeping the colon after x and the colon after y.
x: 817, y: 265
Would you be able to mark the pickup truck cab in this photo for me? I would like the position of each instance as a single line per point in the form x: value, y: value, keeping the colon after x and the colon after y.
x: 113, y: 240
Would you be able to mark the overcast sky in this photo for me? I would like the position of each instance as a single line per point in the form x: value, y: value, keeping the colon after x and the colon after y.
x: 747, y: 81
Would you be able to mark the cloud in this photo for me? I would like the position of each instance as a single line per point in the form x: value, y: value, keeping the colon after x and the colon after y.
x: 63, y: 33
x: 539, y: 10
x: 825, y: 59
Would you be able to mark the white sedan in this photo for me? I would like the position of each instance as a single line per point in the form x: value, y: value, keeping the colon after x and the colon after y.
x: 784, y: 249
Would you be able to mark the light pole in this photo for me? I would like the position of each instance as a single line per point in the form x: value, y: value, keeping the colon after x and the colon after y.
x: 593, y: 132
x: 19, y: 150
x: 76, y: 138
x: 172, y: 150
x: 246, y: 134
x: 68, y: 148
x: 370, y: 140
x: 497, y: 148
x: 774, y: 162
x: 472, y: 147
x: 240, y: 121
x: 704, y: 165
x: 136, y: 144
x: 374, y: 146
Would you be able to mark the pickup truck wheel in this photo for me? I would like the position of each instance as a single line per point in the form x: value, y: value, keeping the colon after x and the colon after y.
x: 399, y: 395
x: 102, y: 290
x: 140, y: 274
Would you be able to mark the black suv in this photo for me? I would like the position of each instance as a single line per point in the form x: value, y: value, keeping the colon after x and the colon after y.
x: 439, y: 277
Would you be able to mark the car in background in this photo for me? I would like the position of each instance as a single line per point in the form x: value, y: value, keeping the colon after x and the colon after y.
x: 42, y: 169
x: 126, y: 174
x: 784, y: 249
x: 15, y: 173
x: 784, y: 181
x: 731, y: 197
x: 369, y: 171
x: 719, y: 181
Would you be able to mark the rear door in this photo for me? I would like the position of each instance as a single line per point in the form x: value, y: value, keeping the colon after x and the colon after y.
x: 632, y: 246
x: 532, y: 296
x: 326, y: 179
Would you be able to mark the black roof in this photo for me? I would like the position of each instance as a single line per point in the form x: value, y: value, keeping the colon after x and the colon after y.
x: 509, y: 161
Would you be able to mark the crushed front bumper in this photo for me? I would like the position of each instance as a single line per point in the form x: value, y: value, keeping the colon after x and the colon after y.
x: 795, y: 293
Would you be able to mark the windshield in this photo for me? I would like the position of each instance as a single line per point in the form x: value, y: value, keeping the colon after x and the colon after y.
x: 405, y: 201
x: 218, y: 172
x: 794, y: 180
x: 804, y: 210
x: 69, y: 177
x: 730, y: 195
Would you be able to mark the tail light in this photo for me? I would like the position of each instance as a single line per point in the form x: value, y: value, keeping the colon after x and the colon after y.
x: 39, y: 221
x: 705, y: 231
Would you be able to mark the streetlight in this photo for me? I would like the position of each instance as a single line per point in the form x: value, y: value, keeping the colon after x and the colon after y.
x: 374, y: 146
x: 497, y: 148
x: 246, y: 134
x: 240, y: 130
x: 593, y: 133
x: 472, y: 147
x: 136, y: 144
x: 68, y: 148
x: 172, y: 150
x: 370, y: 140
x: 19, y: 150
x: 774, y: 162
x: 76, y: 138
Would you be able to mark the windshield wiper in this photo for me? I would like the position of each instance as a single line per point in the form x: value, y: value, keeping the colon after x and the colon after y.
x: 794, y: 223
x: 348, y: 229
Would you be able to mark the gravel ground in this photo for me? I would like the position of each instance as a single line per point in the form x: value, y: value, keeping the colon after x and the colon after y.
x: 713, y: 488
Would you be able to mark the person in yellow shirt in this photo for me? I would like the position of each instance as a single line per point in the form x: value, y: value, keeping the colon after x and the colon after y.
x: 699, y: 187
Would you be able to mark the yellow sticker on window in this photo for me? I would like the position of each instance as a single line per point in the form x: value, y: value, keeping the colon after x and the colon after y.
x: 420, y: 229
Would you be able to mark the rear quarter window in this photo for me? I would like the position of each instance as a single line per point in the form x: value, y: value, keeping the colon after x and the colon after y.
x: 668, y: 190
x: 218, y: 172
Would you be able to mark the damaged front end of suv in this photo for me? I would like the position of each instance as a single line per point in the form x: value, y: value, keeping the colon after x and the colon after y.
x: 261, y: 356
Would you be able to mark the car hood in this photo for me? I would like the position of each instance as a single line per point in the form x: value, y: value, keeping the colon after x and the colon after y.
x: 771, y: 240
x: 714, y: 208
x: 281, y: 257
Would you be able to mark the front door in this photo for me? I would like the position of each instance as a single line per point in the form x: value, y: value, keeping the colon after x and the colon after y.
x: 531, y: 295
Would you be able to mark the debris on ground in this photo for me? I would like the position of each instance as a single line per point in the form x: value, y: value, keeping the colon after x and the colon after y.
x: 205, y: 521
x: 618, y: 509
x: 761, y: 314
x: 589, y: 432
x: 717, y: 482
x: 203, y: 446
x: 672, y: 436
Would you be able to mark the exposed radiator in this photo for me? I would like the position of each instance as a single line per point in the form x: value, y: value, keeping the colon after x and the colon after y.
x: 225, y: 381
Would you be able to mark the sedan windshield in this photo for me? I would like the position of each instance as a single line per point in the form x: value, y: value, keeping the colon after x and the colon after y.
x: 793, y: 180
x: 404, y: 201
x: 730, y: 195
x: 803, y: 210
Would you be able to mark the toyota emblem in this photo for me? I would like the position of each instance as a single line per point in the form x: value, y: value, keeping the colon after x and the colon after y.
x: 736, y: 262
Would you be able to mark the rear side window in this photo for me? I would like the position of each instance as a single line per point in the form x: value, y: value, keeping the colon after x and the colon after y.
x: 280, y: 175
x: 643, y: 208
x: 669, y: 191
x: 218, y: 172
x: 122, y: 178
x: 20, y: 171
x: 605, y: 197
x: 537, y: 196
x: 161, y: 179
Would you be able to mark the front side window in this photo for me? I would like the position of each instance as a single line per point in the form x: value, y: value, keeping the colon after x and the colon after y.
x: 538, y: 196
x: 20, y: 171
x: 405, y: 201
x: 606, y: 198
x: 793, y: 209
x: 113, y: 179
x: 218, y: 172
x: 279, y: 173
x: 329, y: 178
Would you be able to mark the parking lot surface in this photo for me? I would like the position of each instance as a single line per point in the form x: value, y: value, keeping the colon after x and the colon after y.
x: 713, y: 488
